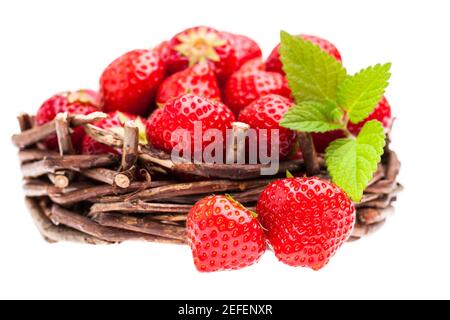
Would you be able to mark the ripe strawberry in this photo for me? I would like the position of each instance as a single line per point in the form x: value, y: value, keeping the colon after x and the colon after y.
x: 182, y: 113
x: 199, y: 80
x: 201, y: 44
x: 273, y: 62
x: 381, y: 113
x: 252, y: 65
x: 242, y: 88
x: 307, y: 220
x: 224, y: 235
x: 115, y: 123
x: 129, y: 83
x: 245, y: 48
x: 266, y: 113
x: 77, y: 102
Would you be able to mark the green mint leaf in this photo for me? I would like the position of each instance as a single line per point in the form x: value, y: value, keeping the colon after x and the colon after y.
x: 313, y: 116
x: 312, y: 74
x: 352, y: 162
x: 359, y: 94
x: 289, y: 174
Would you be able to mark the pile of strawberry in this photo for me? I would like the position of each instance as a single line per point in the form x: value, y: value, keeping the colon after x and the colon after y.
x: 216, y: 77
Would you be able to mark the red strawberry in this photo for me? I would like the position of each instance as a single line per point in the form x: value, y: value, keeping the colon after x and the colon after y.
x: 381, y: 113
x: 273, y: 62
x: 223, y: 235
x: 182, y: 113
x: 307, y: 220
x: 199, y: 80
x: 266, y: 113
x: 163, y: 51
x: 253, y: 65
x: 245, y: 48
x: 200, y: 44
x: 129, y: 83
x: 245, y: 87
x: 115, y: 123
x: 77, y: 102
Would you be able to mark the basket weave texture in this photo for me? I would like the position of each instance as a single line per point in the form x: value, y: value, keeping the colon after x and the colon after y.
x: 143, y: 195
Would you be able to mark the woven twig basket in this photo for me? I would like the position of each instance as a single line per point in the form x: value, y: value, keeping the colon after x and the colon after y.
x: 143, y: 195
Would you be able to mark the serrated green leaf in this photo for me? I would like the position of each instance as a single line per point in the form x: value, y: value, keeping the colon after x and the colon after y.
x: 312, y: 74
x: 352, y: 162
x: 289, y: 174
x: 359, y: 94
x: 313, y: 116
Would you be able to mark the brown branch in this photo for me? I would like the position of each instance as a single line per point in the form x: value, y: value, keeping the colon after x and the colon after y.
x: 170, y: 217
x: 37, y: 188
x: 53, y: 233
x: 130, y: 146
x: 235, y: 152
x: 60, y: 179
x: 33, y: 135
x: 140, y: 207
x: 142, y: 225
x: 202, y: 187
x: 29, y: 155
x: 100, y: 174
x: 38, y: 133
x: 104, y: 136
x: 125, y: 194
x: 78, y: 222
x: 362, y: 230
x: 81, y: 119
x: 71, y: 162
x: 373, y: 215
x: 63, y: 134
x: 25, y: 122
x: 309, y: 153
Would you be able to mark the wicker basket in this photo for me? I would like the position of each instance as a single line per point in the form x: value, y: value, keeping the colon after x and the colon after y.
x: 142, y: 194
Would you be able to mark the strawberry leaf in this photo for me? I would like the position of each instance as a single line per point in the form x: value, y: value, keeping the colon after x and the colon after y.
x: 313, y: 117
x: 359, y: 94
x: 352, y: 162
x: 312, y: 74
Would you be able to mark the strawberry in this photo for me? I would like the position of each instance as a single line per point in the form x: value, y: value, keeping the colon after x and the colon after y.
x: 223, y: 235
x: 273, y: 62
x: 266, y: 113
x: 182, y: 113
x: 253, y: 65
x: 381, y: 113
x: 115, y: 123
x: 201, y: 44
x: 129, y: 83
x: 245, y: 48
x: 306, y: 220
x: 77, y: 102
x: 198, y: 79
x: 245, y: 87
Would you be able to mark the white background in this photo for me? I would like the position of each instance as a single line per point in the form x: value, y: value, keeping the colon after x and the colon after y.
x: 51, y: 46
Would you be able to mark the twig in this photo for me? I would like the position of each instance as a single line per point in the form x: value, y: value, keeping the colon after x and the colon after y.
x: 140, y: 207
x: 201, y: 187
x: 104, y: 136
x: 142, y: 225
x: 38, y: 133
x: 73, y: 220
x: 29, y: 155
x: 373, y: 215
x: 130, y: 145
x: 53, y: 233
x: 72, y: 162
x: 309, y: 153
x: 235, y: 152
x: 63, y: 134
